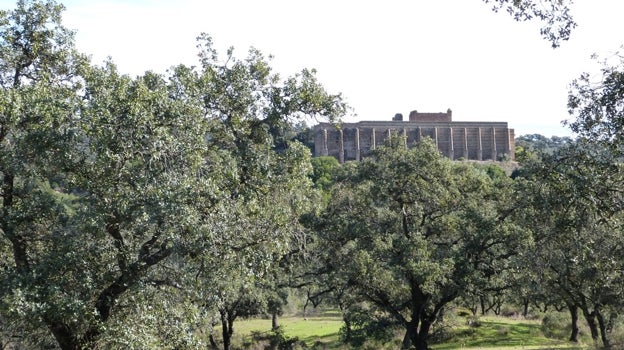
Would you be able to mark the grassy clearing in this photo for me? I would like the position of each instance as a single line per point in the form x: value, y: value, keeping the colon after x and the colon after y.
x: 498, y: 333
x: 313, y: 330
x: 493, y: 333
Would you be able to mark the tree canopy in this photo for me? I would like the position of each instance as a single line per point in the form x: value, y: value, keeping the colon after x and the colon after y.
x: 113, y: 186
x: 410, y: 232
x: 144, y: 211
x: 558, y: 22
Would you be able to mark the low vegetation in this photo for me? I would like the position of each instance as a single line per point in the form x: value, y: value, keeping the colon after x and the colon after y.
x: 323, y: 331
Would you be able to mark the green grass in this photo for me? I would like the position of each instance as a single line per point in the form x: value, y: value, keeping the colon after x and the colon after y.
x: 312, y: 330
x: 502, y: 334
x: 494, y: 333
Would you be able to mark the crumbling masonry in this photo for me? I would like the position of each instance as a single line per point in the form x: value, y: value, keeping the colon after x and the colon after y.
x: 456, y: 140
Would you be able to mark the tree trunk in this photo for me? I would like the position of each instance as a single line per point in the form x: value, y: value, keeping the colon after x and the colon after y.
x: 497, y: 308
x: 274, y: 321
x: 227, y: 325
x: 525, y: 309
x: 64, y: 337
x: 213, y: 343
x: 483, y: 309
x: 305, y: 306
x: 407, y: 338
x: 348, y: 331
x: 416, y: 338
x: 423, y: 336
x: 574, y: 321
x: 590, y: 317
x: 226, y: 330
x: 603, y: 330
x: 421, y: 345
x: 474, y: 310
x: 69, y: 339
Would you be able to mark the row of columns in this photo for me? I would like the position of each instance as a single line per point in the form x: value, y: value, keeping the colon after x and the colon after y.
x: 451, y: 151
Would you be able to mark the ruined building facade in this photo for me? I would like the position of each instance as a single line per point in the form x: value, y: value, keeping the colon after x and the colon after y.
x: 456, y: 140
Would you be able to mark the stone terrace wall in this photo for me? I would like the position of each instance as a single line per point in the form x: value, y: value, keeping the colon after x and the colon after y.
x: 456, y: 140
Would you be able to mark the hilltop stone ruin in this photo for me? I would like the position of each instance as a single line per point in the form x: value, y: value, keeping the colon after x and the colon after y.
x: 456, y: 140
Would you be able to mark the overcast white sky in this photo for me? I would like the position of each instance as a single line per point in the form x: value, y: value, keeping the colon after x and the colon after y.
x: 386, y: 57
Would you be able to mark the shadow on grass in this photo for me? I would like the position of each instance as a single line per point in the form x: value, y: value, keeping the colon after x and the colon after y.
x: 329, y: 339
x: 493, y: 334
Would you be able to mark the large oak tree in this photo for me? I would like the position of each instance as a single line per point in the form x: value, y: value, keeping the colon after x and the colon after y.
x: 410, y: 231
x: 112, y: 184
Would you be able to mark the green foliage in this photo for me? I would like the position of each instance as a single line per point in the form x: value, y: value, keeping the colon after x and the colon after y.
x: 597, y: 106
x: 574, y: 214
x: 365, y: 324
x: 493, y: 171
x: 404, y: 227
x: 556, y: 325
x: 39, y: 80
x: 596, y: 179
x: 182, y: 187
x: 536, y: 143
x: 321, y: 329
x: 320, y: 332
x: 252, y: 234
x: 555, y: 14
x: 501, y: 333
x: 324, y: 170
x: 154, y: 211
x: 279, y: 340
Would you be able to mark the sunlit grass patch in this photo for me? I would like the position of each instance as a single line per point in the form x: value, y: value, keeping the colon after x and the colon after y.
x: 494, y: 333
x: 312, y: 330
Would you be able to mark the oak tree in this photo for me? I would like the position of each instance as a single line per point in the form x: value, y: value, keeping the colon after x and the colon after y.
x: 410, y: 232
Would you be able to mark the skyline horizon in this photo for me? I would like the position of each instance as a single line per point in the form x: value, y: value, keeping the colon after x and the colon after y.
x: 384, y: 58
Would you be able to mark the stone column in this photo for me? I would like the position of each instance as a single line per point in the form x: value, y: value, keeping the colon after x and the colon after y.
x: 466, y: 144
x: 480, y: 150
x: 435, y: 136
x: 508, y: 145
x: 324, y: 151
x: 405, y: 137
x: 512, y: 143
x: 341, y: 157
x: 494, y: 151
x: 373, y: 142
x: 451, y: 144
x: 357, y: 144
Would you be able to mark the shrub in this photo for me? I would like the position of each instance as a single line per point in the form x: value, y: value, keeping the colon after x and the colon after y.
x: 617, y: 335
x: 510, y: 311
x: 365, y: 325
x: 473, y: 321
x: 445, y: 327
x: 275, y: 340
x: 556, y: 325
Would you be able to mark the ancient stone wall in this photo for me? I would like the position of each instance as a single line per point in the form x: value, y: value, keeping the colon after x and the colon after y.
x: 456, y: 140
x: 415, y: 116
